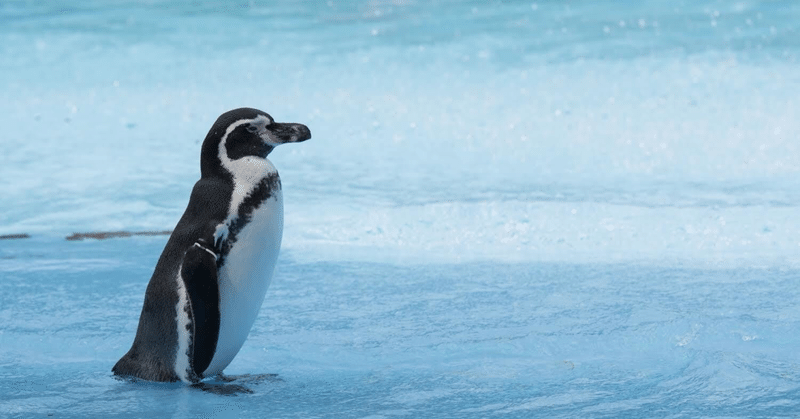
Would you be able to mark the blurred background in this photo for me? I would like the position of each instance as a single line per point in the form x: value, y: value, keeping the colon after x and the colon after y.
x: 512, y: 128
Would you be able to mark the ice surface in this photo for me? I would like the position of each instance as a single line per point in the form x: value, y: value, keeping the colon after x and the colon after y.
x: 526, y: 208
x: 458, y: 340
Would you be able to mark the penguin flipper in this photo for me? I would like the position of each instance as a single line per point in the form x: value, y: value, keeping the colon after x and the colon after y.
x: 199, y: 274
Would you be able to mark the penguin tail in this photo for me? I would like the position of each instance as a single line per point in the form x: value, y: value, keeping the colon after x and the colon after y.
x: 125, y: 367
x: 132, y: 366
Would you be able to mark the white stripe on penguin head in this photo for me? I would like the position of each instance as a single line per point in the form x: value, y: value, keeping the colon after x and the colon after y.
x: 247, y: 172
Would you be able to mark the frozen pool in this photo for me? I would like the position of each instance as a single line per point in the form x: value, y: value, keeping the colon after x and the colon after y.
x: 532, y: 209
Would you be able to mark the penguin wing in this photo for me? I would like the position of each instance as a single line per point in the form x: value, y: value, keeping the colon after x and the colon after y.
x: 199, y: 274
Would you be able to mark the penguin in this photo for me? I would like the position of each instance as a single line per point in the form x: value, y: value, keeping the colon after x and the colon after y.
x: 210, y: 281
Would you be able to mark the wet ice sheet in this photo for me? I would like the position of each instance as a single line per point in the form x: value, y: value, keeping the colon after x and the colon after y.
x: 359, y: 339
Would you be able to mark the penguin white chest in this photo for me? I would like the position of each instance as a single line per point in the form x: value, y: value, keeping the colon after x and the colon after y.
x: 245, y: 276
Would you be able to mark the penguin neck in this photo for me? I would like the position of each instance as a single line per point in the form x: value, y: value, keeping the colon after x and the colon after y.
x: 215, y: 162
x: 210, y: 163
x: 247, y: 172
x: 244, y: 171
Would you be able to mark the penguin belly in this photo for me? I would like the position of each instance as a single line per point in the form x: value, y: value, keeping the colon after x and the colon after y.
x: 244, y: 278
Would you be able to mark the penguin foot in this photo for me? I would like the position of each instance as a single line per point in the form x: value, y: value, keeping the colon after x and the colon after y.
x: 225, y: 386
x: 223, y: 389
x: 248, y: 378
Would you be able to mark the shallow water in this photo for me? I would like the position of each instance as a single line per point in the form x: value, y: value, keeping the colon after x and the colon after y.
x: 533, y: 209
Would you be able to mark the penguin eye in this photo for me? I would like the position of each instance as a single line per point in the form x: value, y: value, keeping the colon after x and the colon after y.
x: 252, y: 128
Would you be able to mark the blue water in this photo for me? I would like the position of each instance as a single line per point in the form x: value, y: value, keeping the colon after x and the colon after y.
x: 524, y: 209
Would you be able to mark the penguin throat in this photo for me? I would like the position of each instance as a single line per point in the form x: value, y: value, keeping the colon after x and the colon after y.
x: 247, y: 173
x: 236, y: 147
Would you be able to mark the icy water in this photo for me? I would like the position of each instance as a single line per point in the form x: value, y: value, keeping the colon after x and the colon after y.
x: 516, y: 209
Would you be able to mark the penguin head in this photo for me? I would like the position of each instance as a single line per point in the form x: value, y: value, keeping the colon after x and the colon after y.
x: 246, y: 132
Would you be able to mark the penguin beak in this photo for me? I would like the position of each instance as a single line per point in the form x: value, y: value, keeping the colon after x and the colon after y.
x: 281, y: 133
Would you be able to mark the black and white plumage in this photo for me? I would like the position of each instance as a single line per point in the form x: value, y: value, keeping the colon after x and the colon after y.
x: 212, y: 276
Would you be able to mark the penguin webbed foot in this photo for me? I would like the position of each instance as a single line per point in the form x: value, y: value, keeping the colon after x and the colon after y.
x: 222, y: 389
x: 225, y: 378
x: 225, y: 386
x: 248, y: 378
